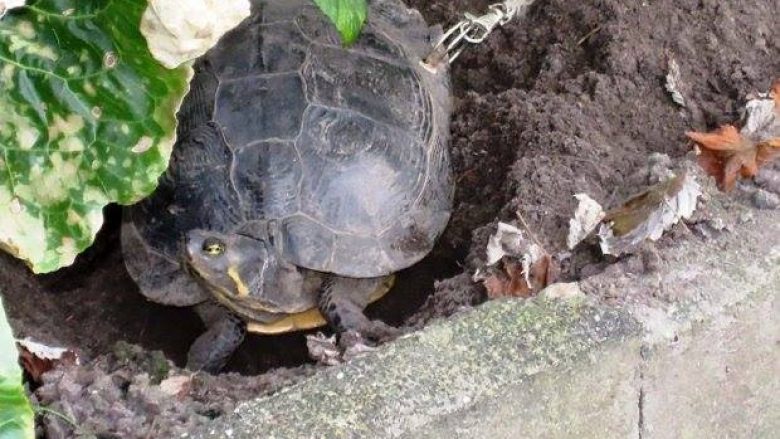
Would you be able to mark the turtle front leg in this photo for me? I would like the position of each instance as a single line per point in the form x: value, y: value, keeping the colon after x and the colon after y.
x: 224, y: 333
x: 342, y: 302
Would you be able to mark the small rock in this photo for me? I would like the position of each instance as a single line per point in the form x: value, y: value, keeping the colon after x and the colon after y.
x: 108, y: 390
x: 355, y: 348
x: 745, y: 217
x: 564, y: 291
x: 592, y: 270
x: 769, y: 179
x: 718, y: 224
x: 659, y: 168
x: 634, y: 265
x: 764, y: 199
x: 175, y: 385
x: 705, y: 230
x: 651, y: 260
x: 56, y: 428
x: 69, y: 389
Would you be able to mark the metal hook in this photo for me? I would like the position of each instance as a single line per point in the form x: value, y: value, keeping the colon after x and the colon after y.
x: 472, y: 29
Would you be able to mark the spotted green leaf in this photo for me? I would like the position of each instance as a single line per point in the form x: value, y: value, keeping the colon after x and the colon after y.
x: 87, y: 117
x: 348, y: 16
x: 16, y: 415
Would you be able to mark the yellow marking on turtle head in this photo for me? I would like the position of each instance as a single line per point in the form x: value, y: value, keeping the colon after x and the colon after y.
x: 243, y: 291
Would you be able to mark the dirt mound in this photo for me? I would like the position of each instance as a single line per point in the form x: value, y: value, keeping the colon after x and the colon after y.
x: 573, y: 100
x: 135, y: 393
x: 569, y: 100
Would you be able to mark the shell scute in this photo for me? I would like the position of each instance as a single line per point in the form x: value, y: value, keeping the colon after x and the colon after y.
x: 267, y: 176
x: 260, y: 108
x: 384, y: 92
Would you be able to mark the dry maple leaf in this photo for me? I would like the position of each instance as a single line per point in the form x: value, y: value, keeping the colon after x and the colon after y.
x: 728, y: 153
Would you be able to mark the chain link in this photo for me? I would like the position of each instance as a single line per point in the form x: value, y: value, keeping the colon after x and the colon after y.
x: 473, y: 30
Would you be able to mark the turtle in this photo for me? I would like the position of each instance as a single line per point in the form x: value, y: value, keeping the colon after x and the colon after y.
x: 305, y: 174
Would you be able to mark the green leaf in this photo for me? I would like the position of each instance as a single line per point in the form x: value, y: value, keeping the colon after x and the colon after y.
x: 87, y: 117
x: 16, y: 415
x: 348, y: 16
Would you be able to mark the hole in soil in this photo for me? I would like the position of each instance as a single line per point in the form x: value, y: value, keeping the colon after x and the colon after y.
x: 260, y: 353
x: 94, y: 304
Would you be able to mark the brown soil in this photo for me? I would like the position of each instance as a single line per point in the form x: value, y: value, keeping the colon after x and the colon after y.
x: 569, y: 100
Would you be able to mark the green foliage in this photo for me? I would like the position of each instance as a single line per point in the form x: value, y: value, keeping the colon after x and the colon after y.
x: 87, y: 117
x: 16, y: 415
x: 348, y: 16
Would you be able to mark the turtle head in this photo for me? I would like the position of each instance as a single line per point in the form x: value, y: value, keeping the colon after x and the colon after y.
x: 232, y: 266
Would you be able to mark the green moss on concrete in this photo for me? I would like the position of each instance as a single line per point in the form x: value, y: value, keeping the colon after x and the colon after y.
x: 443, y: 369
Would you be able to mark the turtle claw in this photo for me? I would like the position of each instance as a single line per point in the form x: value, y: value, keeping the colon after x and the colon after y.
x: 379, y: 331
x: 342, y: 303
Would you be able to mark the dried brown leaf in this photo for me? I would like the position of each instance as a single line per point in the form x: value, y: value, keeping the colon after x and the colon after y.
x: 775, y: 93
x: 649, y: 214
x: 768, y: 151
x: 513, y: 282
x: 728, y: 153
x: 38, y: 359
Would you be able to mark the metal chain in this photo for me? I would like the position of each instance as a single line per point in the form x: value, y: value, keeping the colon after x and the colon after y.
x: 474, y: 30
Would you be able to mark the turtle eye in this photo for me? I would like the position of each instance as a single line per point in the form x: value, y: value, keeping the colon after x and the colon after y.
x: 213, y: 247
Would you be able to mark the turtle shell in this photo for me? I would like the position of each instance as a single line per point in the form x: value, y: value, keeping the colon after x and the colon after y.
x: 346, y: 148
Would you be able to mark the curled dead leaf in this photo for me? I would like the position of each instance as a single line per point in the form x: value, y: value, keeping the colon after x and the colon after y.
x: 674, y: 81
x: 515, y: 281
x: 516, y: 266
x: 38, y: 358
x: 649, y: 214
x: 507, y: 241
x: 586, y: 218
